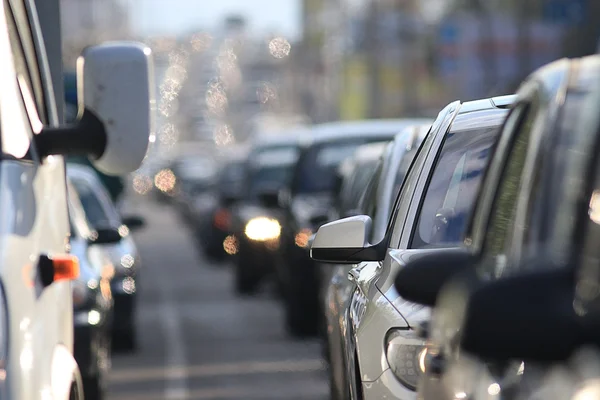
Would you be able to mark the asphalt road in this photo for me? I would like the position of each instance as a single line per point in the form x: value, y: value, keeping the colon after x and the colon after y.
x: 197, y: 339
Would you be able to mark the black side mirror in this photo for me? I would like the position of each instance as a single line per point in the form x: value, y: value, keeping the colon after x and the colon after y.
x: 133, y: 222
x: 525, y: 317
x: 422, y: 278
x: 105, y: 236
x: 269, y: 198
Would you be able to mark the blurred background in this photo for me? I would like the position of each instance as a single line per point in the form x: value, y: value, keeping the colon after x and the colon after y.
x: 228, y: 71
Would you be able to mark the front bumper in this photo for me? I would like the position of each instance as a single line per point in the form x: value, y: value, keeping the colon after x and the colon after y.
x: 258, y: 256
x: 387, y: 386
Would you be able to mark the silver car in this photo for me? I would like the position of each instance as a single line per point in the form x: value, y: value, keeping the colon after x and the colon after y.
x: 102, y: 215
x: 384, y: 353
x: 377, y: 199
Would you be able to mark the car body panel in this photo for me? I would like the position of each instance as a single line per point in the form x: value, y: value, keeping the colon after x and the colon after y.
x: 34, y: 222
x: 386, y: 306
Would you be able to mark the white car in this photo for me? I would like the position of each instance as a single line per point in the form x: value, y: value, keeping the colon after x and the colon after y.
x: 36, y: 269
x: 384, y: 353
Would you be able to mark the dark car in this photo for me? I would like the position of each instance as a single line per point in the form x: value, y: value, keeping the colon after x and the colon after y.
x: 306, y: 206
x: 92, y: 300
x: 213, y: 214
x: 195, y: 175
x: 510, y: 303
x: 103, y: 217
x: 257, y: 218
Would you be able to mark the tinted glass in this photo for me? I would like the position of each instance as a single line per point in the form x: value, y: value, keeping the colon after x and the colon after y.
x: 94, y: 211
x: 503, y: 210
x: 451, y: 193
x: 270, y: 168
x: 318, y: 167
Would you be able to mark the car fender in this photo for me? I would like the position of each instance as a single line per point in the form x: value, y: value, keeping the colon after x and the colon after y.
x: 64, y: 374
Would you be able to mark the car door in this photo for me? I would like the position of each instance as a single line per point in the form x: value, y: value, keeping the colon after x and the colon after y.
x: 33, y: 198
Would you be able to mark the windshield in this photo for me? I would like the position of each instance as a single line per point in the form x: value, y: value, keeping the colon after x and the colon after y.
x: 318, y: 167
x: 94, y: 211
x: 270, y: 169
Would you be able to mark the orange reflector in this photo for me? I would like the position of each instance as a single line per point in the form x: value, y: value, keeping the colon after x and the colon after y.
x: 66, y: 267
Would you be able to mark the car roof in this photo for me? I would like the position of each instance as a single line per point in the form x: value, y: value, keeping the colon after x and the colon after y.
x: 334, y: 131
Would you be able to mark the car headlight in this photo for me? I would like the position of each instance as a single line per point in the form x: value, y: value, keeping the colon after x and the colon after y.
x: 405, y: 354
x: 83, y: 292
x: 262, y: 229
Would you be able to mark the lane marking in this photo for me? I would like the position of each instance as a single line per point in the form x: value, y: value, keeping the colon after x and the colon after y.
x: 317, y: 391
x: 176, y: 378
x: 131, y: 375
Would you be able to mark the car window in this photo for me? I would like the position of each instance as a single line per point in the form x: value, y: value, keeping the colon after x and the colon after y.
x: 97, y: 213
x: 317, y: 167
x: 77, y: 217
x: 406, y: 191
x: 502, y: 215
x: 453, y: 187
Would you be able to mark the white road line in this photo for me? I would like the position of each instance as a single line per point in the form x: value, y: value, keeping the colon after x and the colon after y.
x: 131, y: 375
x: 319, y: 391
x: 176, y: 386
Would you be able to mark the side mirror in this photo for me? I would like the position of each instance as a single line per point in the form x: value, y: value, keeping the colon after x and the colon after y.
x: 422, y: 278
x: 284, y: 198
x: 133, y: 222
x: 105, y: 236
x: 269, y: 198
x: 345, y: 242
x: 525, y: 317
x: 114, y: 120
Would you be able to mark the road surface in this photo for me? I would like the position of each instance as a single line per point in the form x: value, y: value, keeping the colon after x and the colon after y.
x: 197, y: 339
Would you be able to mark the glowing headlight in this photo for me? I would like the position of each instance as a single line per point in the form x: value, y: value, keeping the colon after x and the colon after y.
x: 406, y: 356
x: 262, y: 229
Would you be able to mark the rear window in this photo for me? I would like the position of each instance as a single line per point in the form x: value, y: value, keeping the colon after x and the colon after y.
x: 317, y: 168
x: 454, y: 185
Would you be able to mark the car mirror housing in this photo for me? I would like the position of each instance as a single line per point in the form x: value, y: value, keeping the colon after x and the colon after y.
x: 114, y: 120
x: 345, y: 241
x: 421, y: 279
x: 526, y: 317
x: 105, y: 236
x: 133, y: 222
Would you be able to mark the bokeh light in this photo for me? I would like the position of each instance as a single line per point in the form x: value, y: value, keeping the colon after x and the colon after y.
x: 230, y: 245
x: 165, y: 180
x: 302, y: 237
x: 223, y: 135
x: 279, y: 47
x: 142, y: 184
x: 201, y: 42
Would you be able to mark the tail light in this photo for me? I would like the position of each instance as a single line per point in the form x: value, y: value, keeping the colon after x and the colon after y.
x: 222, y: 219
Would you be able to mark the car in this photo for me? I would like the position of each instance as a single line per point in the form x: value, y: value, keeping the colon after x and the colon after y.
x: 384, y: 353
x: 375, y: 198
x: 36, y: 268
x: 92, y: 299
x: 535, y: 204
x: 256, y: 218
x: 306, y: 204
x: 195, y: 175
x: 122, y: 250
x: 213, y: 228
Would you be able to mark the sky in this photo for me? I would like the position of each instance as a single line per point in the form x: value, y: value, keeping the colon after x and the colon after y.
x: 167, y: 17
